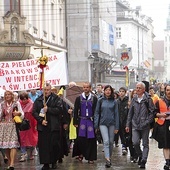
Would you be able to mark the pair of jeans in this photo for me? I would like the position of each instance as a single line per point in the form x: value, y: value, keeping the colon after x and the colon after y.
x: 107, y: 133
x: 137, y: 136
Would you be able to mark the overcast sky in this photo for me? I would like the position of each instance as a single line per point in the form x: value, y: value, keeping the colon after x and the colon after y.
x: 157, y: 10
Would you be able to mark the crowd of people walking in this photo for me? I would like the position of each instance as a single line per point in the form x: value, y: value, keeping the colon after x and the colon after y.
x: 56, y: 126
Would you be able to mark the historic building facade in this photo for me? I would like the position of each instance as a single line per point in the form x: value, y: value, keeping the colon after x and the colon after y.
x: 27, y: 27
x: 91, y: 39
x: 134, y: 30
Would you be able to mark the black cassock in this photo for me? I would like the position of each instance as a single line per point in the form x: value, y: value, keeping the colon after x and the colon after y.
x: 48, y: 136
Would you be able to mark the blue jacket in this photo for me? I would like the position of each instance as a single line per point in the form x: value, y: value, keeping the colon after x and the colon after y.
x: 107, y: 112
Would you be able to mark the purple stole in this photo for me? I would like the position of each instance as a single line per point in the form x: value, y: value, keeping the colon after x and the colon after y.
x: 86, y: 127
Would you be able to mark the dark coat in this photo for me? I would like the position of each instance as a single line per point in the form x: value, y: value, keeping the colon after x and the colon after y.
x: 54, y: 112
x: 123, y: 110
x: 49, y: 136
x: 141, y: 114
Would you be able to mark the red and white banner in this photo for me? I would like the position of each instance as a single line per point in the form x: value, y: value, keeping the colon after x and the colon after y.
x: 24, y: 74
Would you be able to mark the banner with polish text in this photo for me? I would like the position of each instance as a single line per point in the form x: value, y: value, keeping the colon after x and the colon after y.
x: 24, y: 74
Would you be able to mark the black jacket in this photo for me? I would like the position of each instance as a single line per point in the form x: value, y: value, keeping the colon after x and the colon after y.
x: 123, y: 110
x: 53, y: 115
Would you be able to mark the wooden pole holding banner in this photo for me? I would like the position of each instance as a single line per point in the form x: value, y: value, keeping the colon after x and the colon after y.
x: 42, y: 65
x: 128, y: 81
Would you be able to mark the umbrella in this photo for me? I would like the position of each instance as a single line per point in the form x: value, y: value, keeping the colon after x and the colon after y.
x: 71, y: 93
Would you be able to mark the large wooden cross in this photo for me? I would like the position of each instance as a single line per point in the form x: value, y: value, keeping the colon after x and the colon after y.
x: 41, y: 47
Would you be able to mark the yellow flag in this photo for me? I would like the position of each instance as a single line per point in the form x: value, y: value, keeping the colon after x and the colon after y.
x: 127, y: 77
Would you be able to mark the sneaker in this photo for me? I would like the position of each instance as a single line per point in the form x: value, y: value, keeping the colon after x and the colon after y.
x: 131, y: 159
x: 124, y: 151
x: 142, y: 165
x: 108, y: 164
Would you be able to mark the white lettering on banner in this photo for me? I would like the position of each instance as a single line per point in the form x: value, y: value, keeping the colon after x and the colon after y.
x: 24, y: 74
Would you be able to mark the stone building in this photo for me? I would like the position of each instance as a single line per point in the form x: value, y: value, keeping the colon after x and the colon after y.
x: 135, y: 30
x: 27, y: 26
x: 91, y: 39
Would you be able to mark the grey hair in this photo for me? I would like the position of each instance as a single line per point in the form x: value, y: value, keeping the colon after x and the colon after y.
x: 141, y: 83
x: 72, y: 83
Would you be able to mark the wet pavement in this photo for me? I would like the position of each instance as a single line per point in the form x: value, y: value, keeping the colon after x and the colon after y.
x: 119, y: 161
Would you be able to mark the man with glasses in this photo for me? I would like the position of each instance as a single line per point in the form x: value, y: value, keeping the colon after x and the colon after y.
x: 140, y: 115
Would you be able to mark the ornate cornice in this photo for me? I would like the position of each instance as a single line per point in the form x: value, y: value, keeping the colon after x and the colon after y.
x: 15, y: 42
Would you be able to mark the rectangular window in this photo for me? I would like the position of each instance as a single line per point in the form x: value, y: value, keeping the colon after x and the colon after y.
x: 12, y: 5
x: 118, y: 32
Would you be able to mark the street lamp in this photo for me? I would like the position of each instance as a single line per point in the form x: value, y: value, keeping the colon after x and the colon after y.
x: 91, y: 59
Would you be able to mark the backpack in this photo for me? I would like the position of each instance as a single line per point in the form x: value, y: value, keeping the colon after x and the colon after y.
x: 152, y: 123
